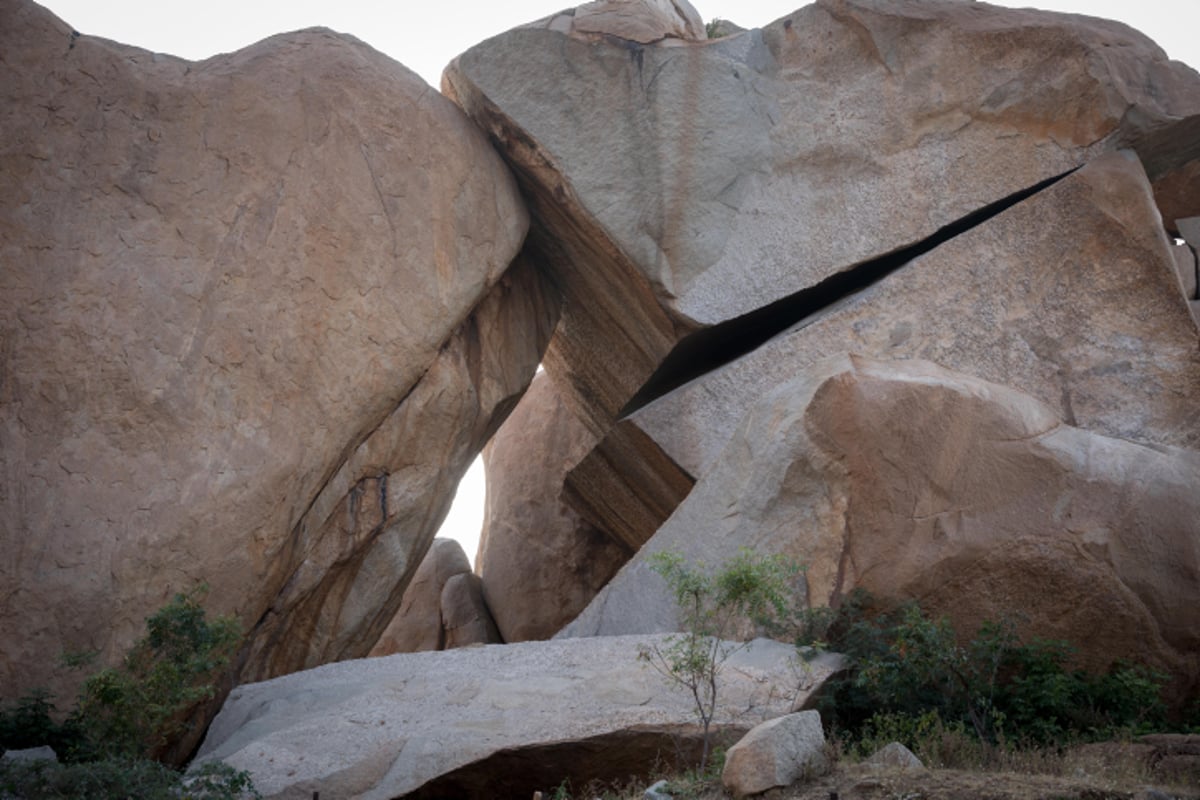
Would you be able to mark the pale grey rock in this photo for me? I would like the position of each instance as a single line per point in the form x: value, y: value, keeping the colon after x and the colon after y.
x: 417, y: 625
x: 896, y: 756
x: 657, y: 791
x: 1185, y: 267
x: 913, y: 481
x: 776, y: 754
x: 1189, y: 230
x: 1094, y: 324
x: 43, y: 753
x: 383, y: 727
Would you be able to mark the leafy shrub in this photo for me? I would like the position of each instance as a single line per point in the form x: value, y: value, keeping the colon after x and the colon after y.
x: 138, y: 707
x: 125, y: 714
x: 30, y: 723
x: 119, y: 779
x: 908, y: 666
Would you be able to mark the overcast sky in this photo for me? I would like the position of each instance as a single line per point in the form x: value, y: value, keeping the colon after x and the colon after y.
x: 425, y: 35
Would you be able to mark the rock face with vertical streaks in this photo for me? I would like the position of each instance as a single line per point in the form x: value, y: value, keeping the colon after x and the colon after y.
x: 678, y: 186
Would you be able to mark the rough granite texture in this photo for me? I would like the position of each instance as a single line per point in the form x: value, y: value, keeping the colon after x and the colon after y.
x: 254, y: 321
x: 1093, y: 323
x: 379, y: 728
x: 681, y: 185
x: 417, y: 625
x: 913, y: 481
x: 776, y: 754
x: 540, y: 561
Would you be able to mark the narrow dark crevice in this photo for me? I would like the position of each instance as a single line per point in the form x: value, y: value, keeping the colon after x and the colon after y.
x: 714, y: 347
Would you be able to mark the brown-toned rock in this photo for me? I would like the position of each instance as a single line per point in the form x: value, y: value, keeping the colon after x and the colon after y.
x: 417, y: 625
x: 254, y: 322
x: 1171, y: 153
x: 1071, y: 296
x: 775, y: 754
x: 913, y: 481
x: 465, y: 616
x: 739, y: 172
x: 539, y: 561
x: 644, y: 21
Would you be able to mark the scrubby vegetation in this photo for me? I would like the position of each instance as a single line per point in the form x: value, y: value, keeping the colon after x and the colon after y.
x: 126, y: 715
x: 711, y: 608
x: 988, y: 700
x: 914, y: 674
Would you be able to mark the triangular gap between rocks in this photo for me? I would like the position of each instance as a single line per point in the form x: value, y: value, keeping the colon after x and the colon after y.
x: 713, y: 347
x: 464, y: 521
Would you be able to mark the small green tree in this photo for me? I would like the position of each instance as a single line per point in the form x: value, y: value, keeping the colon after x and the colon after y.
x: 749, y: 590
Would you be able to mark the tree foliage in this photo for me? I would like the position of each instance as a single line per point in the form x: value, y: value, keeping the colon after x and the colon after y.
x: 712, y: 609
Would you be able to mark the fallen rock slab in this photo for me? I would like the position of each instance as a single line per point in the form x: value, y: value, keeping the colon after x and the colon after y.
x: 500, y: 721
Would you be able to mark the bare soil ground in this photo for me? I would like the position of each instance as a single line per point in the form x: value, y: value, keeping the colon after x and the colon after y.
x: 859, y: 782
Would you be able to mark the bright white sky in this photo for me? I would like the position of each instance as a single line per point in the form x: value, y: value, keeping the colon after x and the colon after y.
x: 425, y: 34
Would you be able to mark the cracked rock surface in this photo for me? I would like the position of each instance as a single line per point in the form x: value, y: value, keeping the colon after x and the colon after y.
x: 675, y: 186
x: 489, y: 721
x: 254, y: 321
x: 914, y: 481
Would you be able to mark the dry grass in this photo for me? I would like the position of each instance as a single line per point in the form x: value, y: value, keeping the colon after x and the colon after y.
x: 1106, y: 771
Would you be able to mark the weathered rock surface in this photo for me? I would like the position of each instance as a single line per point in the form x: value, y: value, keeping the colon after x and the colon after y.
x: 254, y: 321
x: 417, y: 626
x: 1171, y: 154
x: 540, y: 562
x: 678, y: 187
x: 1071, y: 296
x: 643, y: 21
x: 895, y: 756
x: 776, y: 753
x: 913, y: 481
x: 465, y: 616
x: 485, y: 721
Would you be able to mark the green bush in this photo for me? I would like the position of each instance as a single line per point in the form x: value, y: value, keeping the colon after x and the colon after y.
x: 908, y: 666
x: 30, y: 723
x: 121, y: 779
x: 124, y: 715
x: 138, y: 707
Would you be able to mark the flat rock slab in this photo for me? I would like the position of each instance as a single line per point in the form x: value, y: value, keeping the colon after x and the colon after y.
x: 385, y: 727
